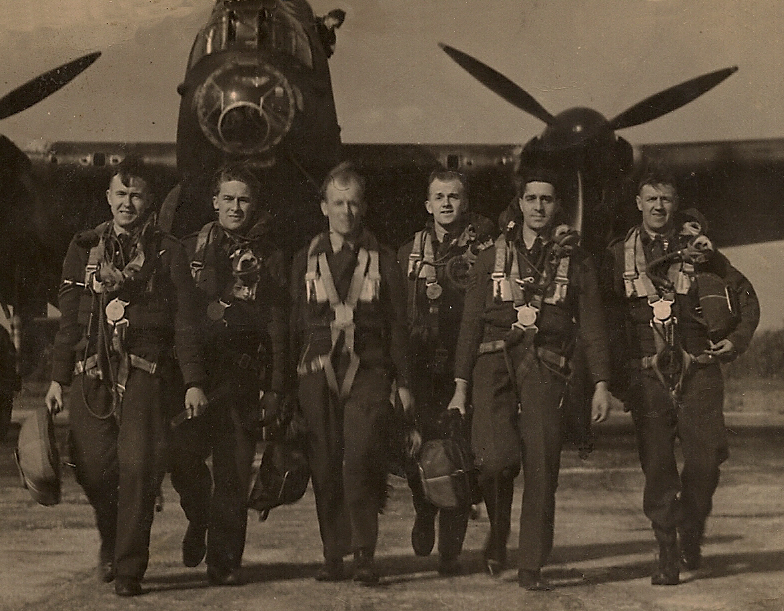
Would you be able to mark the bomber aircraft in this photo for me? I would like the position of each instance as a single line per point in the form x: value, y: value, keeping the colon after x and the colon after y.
x: 257, y: 88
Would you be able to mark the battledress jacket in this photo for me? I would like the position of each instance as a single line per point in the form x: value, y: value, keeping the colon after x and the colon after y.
x: 382, y: 330
x: 255, y: 328
x: 631, y: 334
x: 164, y: 317
x: 485, y: 320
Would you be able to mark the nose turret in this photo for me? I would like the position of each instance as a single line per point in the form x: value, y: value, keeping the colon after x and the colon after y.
x: 245, y: 107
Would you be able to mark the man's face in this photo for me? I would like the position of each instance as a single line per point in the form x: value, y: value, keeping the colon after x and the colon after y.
x: 446, y: 201
x: 234, y: 204
x: 538, y: 205
x: 344, y: 207
x: 128, y: 203
x: 658, y: 204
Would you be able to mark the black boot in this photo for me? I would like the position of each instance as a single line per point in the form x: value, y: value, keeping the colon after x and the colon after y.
x: 331, y: 570
x: 690, y: 548
x: 667, y: 572
x: 194, y: 544
x: 423, y: 534
x: 497, y: 494
x: 365, y: 568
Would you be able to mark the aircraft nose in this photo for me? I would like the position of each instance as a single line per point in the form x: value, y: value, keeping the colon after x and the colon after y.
x: 245, y: 107
x: 243, y: 126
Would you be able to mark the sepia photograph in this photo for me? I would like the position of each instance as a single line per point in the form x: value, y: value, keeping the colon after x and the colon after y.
x: 378, y: 305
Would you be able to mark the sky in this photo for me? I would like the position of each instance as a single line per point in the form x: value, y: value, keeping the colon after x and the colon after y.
x: 393, y: 83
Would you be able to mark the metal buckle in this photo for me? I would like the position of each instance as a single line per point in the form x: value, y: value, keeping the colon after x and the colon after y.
x: 344, y: 316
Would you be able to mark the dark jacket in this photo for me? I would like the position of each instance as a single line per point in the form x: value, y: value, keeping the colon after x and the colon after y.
x: 629, y: 318
x: 256, y: 328
x: 381, y: 329
x: 485, y: 319
x: 434, y: 324
x: 161, y: 316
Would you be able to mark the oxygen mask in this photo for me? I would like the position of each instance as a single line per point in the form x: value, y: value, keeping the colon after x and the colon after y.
x: 245, y: 267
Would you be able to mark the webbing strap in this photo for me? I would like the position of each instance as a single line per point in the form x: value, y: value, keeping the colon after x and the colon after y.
x: 343, y: 322
x: 561, y: 281
x: 94, y: 258
x: 197, y: 264
x: 635, y: 275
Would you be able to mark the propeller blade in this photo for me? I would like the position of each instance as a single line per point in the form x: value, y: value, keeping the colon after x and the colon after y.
x: 44, y: 85
x: 670, y: 99
x: 497, y: 82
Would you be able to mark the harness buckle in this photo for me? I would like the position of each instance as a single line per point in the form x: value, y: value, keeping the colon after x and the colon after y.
x: 344, y: 316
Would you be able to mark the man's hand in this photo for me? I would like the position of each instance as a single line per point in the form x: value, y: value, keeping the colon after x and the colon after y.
x: 54, y: 398
x: 195, y: 402
x: 601, y: 402
x: 724, y: 350
x: 406, y: 400
x: 413, y: 442
x: 459, y: 400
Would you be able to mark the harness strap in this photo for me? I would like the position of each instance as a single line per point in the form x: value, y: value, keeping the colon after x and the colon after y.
x: 90, y: 365
x: 343, y: 322
x: 544, y: 354
x: 197, y: 264
x: 561, y: 281
x: 94, y: 259
x: 635, y: 276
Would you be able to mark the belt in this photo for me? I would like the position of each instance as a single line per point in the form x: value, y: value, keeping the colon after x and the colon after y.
x: 90, y: 365
x: 647, y: 362
x: 243, y: 361
x: 548, y: 356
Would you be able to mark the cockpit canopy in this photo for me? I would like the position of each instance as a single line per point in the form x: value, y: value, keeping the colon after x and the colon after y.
x: 249, y: 26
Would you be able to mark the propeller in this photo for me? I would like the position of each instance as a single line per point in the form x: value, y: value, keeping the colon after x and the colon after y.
x: 42, y: 86
x: 670, y: 99
x: 497, y: 82
x: 650, y: 108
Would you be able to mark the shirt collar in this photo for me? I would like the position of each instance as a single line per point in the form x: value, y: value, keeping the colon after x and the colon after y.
x: 337, y: 242
x: 526, y: 237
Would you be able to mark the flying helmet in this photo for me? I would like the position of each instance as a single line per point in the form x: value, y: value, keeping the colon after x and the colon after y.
x: 38, y: 458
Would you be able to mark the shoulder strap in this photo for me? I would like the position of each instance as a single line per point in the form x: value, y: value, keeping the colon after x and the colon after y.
x: 203, y: 239
x: 94, y: 258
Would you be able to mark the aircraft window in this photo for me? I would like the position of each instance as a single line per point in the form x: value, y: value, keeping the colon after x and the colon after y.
x: 284, y: 32
x: 238, y: 29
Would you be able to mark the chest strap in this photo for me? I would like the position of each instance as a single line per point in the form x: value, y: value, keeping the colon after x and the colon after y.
x: 635, y: 275
x: 527, y: 293
x: 321, y: 287
x: 422, y: 265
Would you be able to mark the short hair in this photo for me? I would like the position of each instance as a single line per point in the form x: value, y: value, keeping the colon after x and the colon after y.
x: 133, y: 166
x: 446, y: 176
x: 341, y: 175
x: 536, y: 174
x: 657, y: 174
x: 240, y: 172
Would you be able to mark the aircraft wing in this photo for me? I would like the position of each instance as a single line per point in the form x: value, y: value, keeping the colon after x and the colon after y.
x: 738, y: 185
x: 397, y: 180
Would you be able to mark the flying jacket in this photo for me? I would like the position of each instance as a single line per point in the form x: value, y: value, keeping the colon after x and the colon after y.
x: 162, y: 314
x: 249, y: 334
x: 380, y: 333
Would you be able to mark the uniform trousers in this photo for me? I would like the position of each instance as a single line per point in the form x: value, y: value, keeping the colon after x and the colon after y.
x: 218, y: 501
x: 347, y: 451
x: 672, y: 500
x: 503, y: 437
x: 432, y: 391
x: 119, y: 459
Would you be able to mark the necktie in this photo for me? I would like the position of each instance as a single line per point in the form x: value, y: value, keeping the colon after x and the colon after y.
x: 657, y: 248
x: 536, y: 250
